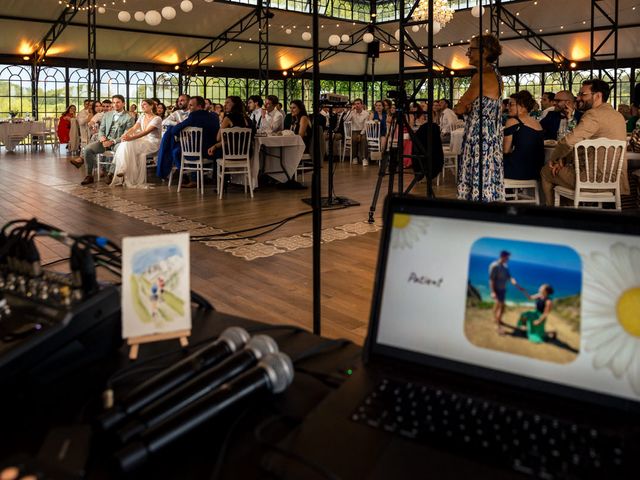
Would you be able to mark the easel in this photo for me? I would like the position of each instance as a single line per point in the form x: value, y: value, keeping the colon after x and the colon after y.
x: 135, y: 342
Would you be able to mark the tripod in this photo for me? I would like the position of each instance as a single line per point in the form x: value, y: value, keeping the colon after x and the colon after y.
x: 393, y: 161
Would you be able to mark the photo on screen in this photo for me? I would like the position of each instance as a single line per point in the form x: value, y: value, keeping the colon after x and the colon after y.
x: 524, y: 298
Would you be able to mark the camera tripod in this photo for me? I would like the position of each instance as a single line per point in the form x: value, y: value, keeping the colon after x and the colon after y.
x: 392, y: 162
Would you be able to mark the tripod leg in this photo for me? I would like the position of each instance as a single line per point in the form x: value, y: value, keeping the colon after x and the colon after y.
x: 381, y: 173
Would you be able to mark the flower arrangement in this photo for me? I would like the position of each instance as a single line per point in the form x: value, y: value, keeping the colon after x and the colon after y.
x: 13, y: 113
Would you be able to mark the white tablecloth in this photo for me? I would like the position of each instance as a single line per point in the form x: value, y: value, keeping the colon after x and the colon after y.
x: 18, y: 131
x: 291, y: 147
x: 457, y: 136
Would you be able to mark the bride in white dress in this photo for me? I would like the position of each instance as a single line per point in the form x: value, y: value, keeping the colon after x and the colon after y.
x: 136, y: 143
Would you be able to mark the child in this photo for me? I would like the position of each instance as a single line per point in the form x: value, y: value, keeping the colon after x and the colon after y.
x: 535, y: 320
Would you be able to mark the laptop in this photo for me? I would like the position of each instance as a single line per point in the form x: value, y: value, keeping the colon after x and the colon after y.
x: 504, y: 342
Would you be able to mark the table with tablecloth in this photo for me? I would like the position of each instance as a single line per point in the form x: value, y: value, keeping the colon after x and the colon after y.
x: 11, y: 134
x: 457, y: 137
x: 279, y: 152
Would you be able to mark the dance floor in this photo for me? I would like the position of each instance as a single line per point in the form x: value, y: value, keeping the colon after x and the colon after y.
x: 267, y: 278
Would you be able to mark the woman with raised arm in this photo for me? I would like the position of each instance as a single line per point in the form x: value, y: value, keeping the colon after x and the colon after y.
x: 489, y: 145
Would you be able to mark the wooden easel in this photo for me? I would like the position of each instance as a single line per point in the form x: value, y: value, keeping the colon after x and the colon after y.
x: 135, y: 342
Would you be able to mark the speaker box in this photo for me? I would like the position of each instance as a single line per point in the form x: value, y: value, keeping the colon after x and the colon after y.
x: 373, y: 49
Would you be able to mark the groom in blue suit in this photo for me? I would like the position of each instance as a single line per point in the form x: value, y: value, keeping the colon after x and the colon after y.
x: 198, y: 117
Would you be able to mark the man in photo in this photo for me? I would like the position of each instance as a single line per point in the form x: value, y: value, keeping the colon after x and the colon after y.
x: 499, y: 275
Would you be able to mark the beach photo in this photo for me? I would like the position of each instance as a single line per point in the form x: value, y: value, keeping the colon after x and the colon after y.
x: 524, y: 298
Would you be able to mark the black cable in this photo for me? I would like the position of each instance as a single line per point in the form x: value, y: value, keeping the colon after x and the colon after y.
x: 53, y: 262
x: 321, y: 349
x: 222, y: 451
x: 257, y: 434
x: 292, y: 217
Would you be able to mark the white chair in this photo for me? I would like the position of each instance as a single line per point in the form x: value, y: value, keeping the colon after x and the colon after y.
x: 191, y: 157
x: 513, y: 191
x: 236, y: 143
x: 103, y: 159
x: 305, y: 165
x: 47, y: 134
x: 597, y: 175
x: 373, y: 139
x: 347, y: 142
x: 450, y: 163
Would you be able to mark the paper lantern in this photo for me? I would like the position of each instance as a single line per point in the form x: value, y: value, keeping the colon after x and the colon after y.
x: 334, y: 40
x: 306, y: 36
x: 186, y: 6
x: 208, y: 1
x: 288, y: 31
x: 415, y: 28
x: 345, y: 38
x: 153, y: 18
x: 367, y: 37
x: 139, y: 16
x: 102, y: 10
x: 169, y: 13
x: 397, y: 35
x: 436, y: 27
x: 475, y: 11
x: 124, y: 16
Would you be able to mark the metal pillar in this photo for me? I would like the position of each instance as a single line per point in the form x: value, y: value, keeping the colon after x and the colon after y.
x: 608, y: 47
x: 316, y: 178
x: 264, y: 15
x: 92, y: 68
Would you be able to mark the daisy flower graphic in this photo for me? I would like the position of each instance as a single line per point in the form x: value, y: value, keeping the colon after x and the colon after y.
x: 407, y: 229
x: 611, y: 311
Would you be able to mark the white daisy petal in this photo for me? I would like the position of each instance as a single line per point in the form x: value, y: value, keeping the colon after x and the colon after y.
x: 607, y: 351
x: 634, y: 371
x: 606, y: 272
x: 624, y: 356
x: 598, y: 339
x: 634, y: 262
x: 620, y: 257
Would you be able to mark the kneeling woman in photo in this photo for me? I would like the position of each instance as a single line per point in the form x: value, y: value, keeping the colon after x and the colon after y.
x: 535, y: 320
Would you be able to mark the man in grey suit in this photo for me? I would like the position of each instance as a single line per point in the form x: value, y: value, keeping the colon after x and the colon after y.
x: 112, y: 127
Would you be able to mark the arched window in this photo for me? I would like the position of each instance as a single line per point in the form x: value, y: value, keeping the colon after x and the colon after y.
x: 167, y: 87
x: 238, y: 87
x: 113, y: 82
x: 623, y: 86
x: 254, y: 86
x: 78, y: 87
x: 509, y: 83
x: 532, y: 82
x: 579, y: 77
x: 276, y: 87
x: 553, y: 82
x: 460, y: 85
x: 52, y: 92
x: 140, y: 86
x: 217, y: 89
x: 196, y: 87
x: 15, y: 90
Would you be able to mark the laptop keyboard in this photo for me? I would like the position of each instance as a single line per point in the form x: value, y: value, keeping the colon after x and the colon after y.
x: 529, y: 443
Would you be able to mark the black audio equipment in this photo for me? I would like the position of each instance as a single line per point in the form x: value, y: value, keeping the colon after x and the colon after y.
x: 230, y: 341
x: 373, y: 49
x: 273, y: 374
x: 204, y: 383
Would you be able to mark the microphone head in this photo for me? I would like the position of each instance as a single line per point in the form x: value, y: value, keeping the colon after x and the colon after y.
x: 234, y: 337
x: 280, y: 370
x: 262, y: 345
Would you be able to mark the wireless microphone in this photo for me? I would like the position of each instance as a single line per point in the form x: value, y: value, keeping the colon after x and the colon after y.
x: 274, y: 373
x: 202, y: 384
x: 229, y: 341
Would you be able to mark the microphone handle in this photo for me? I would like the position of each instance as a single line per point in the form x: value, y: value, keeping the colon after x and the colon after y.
x: 188, y: 393
x: 203, y: 410
x: 162, y: 383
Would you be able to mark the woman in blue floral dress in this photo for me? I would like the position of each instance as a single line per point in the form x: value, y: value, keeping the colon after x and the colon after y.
x: 492, y: 137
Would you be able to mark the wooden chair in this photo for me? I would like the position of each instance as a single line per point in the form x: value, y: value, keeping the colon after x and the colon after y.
x: 347, y: 142
x: 191, y: 157
x: 236, y: 144
x: 372, y: 127
x: 597, y: 175
x: 513, y: 191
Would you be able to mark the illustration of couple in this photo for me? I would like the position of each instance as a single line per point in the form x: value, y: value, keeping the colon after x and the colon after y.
x: 533, y: 321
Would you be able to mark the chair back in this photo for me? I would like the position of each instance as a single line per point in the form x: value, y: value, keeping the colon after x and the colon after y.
x: 347, y: 130
x: 49, y: 124
x: 191, y: 143
x: 236, y: 143
x: 373, y: 135
x: 599, y: 163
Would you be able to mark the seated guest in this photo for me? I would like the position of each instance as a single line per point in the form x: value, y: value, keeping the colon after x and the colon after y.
x: 254, y: 107
x: 272, y: 118
x: 218, y: 109
x: 114, y: 124
x: 300, y: 124
x: 130, y: 162
x: 64, y: 124
x: 625, y: 110
x: 560, y: 119
x: 83, y: 117
x: 548, y: 103
x: 234, y: 116
x: 133, y: 111
x: 523, y: 140
x: 161, y: 110
x: 379, y: 114
x: 208, y: 106
x: 632, y: 121
x: 94, y: 122
x: 106, y: 105
x: 448, y: 120
x: 505, y: 111
x: 417, y: 116
x: 599, y: 120
x: 180, y: 113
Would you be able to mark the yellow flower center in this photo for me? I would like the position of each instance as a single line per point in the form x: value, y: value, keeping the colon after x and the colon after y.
x: 628, y: 310
x: 401, y: 220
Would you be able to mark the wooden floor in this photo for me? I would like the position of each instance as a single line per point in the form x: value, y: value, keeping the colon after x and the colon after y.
x: 276, y: 289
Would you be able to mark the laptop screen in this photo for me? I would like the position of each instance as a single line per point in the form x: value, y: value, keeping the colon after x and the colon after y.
x: 554, y: 304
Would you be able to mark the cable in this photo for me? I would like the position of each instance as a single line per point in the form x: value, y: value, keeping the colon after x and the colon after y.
x: 222, y: 451
x: 53, y: 262
x: 321, y: 349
